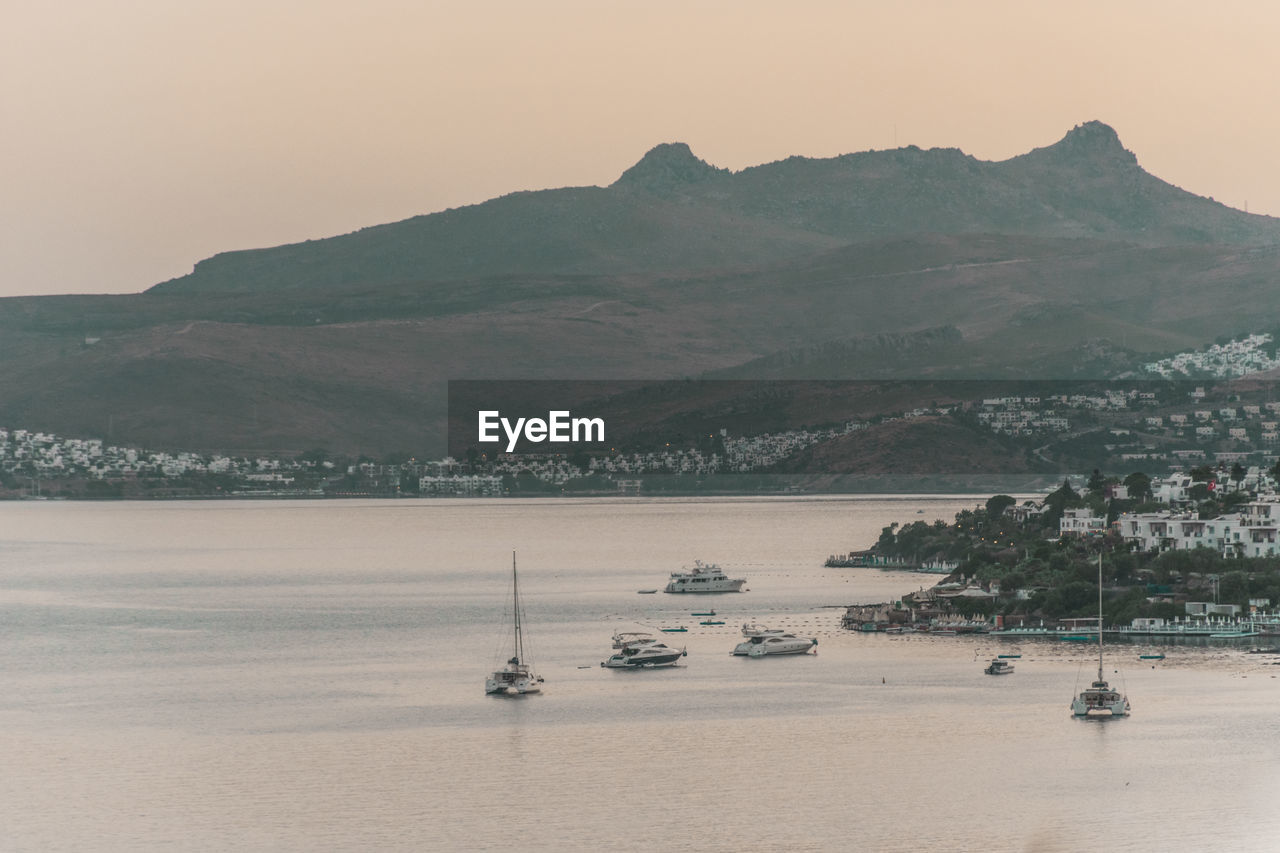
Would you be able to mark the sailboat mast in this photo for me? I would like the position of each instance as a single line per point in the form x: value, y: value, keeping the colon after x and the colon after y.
x: 515, y: 597
x: 1099, y: 615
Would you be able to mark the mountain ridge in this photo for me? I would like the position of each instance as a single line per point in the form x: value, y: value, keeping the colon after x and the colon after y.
x: 672, y: 212
x: 1067, y: 261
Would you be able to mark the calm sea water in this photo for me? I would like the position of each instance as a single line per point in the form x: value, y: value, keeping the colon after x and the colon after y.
x: 309, y: 676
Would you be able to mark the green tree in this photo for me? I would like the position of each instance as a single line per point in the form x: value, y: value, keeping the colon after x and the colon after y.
x: 1237, y: 474
x: 997, y: 504
x: 1056, y: 502
x: 314, y: 456
x: 1233, y: 588
x: 1138, y: 484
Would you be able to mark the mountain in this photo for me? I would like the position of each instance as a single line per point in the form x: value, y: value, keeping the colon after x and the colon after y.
x: 1066, y: 261
x: 672, y: 213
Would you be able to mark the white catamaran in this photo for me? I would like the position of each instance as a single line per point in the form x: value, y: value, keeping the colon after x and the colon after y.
x: 517, y: 677
x: 1099, y: 700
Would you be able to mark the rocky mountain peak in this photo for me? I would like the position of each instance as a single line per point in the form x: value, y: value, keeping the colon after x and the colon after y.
x: 1092, y: 140
x: 666, y: 168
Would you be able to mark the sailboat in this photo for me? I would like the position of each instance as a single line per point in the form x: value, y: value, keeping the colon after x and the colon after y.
x: 1099, y: 700
x: 517, y: 677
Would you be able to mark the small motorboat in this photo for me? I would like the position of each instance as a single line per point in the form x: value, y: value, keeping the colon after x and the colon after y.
x: 999, y: 667
x: 679, y: 629
x: 646, y: 592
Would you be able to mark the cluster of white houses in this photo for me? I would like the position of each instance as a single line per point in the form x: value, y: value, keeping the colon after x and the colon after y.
x: 1234, y: 358
x: 32, y: 454
x: 748, y: 453
x: 1242, y: 427
x: 1252, y: 531
x: 1027, y: 415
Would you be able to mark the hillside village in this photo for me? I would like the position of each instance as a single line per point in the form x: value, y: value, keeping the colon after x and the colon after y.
x: 1156, y: 427
x: 1193, y: 553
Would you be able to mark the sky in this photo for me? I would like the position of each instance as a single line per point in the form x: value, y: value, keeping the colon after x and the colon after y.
x: 138, y: 137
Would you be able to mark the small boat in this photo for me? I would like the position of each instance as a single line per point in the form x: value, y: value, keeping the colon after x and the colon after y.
x: 644, y: 656
x: 677, y: 630
x: 703, y: 613
x: 704, y: 577
x: 711, y: 622
x: 1222, y: 635
x: 1077, y: 638
x: 1009, y: 657
x: 1099, y: 700
x: 999, y: 667
x: 516, y: 678
x: 766, y: 642
x: 646, y: 592
x: 1150, y: 657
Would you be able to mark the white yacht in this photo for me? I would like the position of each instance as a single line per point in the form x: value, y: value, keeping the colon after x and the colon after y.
x: 703, y: 577
x: 516, y: 678
x: 646, y: 654
x: 763, y: 641
x: 1099, y: 700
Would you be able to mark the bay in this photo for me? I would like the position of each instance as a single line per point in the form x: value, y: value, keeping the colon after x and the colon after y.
x: 308, y: 676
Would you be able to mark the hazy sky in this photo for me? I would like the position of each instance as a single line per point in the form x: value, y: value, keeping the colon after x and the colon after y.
x: 140, y: 136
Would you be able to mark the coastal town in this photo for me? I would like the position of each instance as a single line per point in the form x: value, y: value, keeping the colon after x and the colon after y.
x: 1186, y: 555
x: 1178, y: 413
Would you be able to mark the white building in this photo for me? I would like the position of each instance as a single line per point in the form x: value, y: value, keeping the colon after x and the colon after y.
x: 1081, y: 522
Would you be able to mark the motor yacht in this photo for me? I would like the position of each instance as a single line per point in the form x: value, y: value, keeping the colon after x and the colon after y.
x: 644, y: 655
x: 766, y: 642
x: 704, y: 577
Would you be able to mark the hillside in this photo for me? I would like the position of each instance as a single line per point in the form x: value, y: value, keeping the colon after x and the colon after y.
x: 1067, y: 261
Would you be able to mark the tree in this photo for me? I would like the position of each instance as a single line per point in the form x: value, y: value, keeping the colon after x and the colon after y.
x: 313, y: 457
x: 1096, y: 481
x: 1237, y: 474
x: 1056, y: 502
x: 1138, y: 484
x: 997, y: 504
